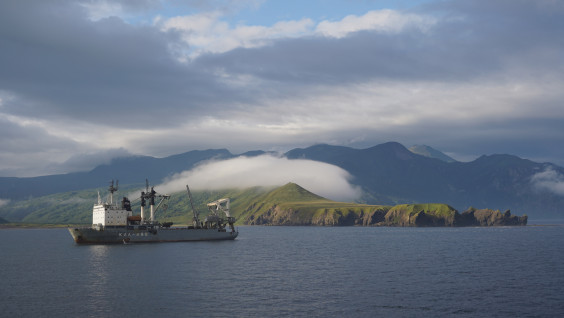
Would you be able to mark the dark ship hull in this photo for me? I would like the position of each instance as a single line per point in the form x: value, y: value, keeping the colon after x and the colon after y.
x: 120, y: 235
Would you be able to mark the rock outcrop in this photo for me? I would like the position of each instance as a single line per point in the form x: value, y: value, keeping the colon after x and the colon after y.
x: 421, y: 215
x: 278, y: 216
x: 487, y: 217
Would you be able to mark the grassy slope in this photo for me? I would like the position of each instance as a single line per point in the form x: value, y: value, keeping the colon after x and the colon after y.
x: 437, y: 209
x: 76, y: 207
x: 436, y: 213
x: 304, y: 205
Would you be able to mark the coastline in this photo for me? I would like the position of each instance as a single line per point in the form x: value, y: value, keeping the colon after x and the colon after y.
x: 31, y: 226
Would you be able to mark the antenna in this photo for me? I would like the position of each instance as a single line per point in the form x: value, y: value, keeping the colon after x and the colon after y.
x: 152, y: 196
x: 112, y: 189
x: 146, y: 194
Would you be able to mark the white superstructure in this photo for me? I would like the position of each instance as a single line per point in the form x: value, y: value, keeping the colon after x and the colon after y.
x: 109, y: 213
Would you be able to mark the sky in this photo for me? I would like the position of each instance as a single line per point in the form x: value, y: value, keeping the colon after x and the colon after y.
x: 84, y: 81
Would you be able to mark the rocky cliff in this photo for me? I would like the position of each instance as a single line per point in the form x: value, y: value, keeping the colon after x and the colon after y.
x: 487, y: 217
x: 293, y: 205
x: 278, y: 215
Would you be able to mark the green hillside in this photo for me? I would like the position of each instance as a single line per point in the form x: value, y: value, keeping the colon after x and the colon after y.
x: 75, y: 207
x: 286, y: 205
x: 246, y: 205
x: 293, y: 205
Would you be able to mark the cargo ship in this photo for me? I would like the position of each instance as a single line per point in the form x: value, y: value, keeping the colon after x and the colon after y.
x: 114, y: 223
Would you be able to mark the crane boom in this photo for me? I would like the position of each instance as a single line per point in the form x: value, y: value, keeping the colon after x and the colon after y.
x: 196, y: 219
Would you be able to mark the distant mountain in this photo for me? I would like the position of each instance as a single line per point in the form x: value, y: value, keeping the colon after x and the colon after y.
x: 128, y: 170
x: 388, y: 172
x: 430, y: 152
x: 391, y: 174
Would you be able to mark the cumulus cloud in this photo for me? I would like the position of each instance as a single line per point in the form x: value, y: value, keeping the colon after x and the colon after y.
x: 320, y: 178
x: 549, y: 180
x: 387, y: 21
x: 208, y: 33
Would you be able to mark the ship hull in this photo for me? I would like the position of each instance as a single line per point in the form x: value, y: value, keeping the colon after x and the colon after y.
x: 120, y: 235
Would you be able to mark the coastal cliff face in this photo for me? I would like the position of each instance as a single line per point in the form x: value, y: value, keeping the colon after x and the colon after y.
x: 277, y: 215
x: 421, y: 215
x: 411, y: 215
x: 444, y: 215
x: 293, y: 205
x: 487, y: 217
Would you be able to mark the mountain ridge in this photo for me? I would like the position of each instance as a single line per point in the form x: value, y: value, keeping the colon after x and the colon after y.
x: 430, y: 152
x: 388, y: 174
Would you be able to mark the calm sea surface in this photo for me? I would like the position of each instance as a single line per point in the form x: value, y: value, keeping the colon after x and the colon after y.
x: 290, y: 272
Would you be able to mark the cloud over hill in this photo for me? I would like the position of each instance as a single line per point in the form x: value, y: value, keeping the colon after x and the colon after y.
x: 321, y: 178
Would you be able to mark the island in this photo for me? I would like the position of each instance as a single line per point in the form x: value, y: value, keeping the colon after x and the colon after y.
x: 293, y: 205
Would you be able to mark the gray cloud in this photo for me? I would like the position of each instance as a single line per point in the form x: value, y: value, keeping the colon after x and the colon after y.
x: 484, y: 78
x: 28, y: 150
x: 473, y: 39
x: 58, y: 63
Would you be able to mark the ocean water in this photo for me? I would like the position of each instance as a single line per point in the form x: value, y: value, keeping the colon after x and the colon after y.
x: 290, y: 272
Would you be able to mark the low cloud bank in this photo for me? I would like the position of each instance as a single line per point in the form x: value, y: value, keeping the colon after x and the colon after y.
x: 4, y: 202
x: 320, y: 178
x: 550, y: 180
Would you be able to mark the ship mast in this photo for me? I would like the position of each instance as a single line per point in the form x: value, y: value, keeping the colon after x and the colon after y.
x: 151, y: 195
x: 113, y: 189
